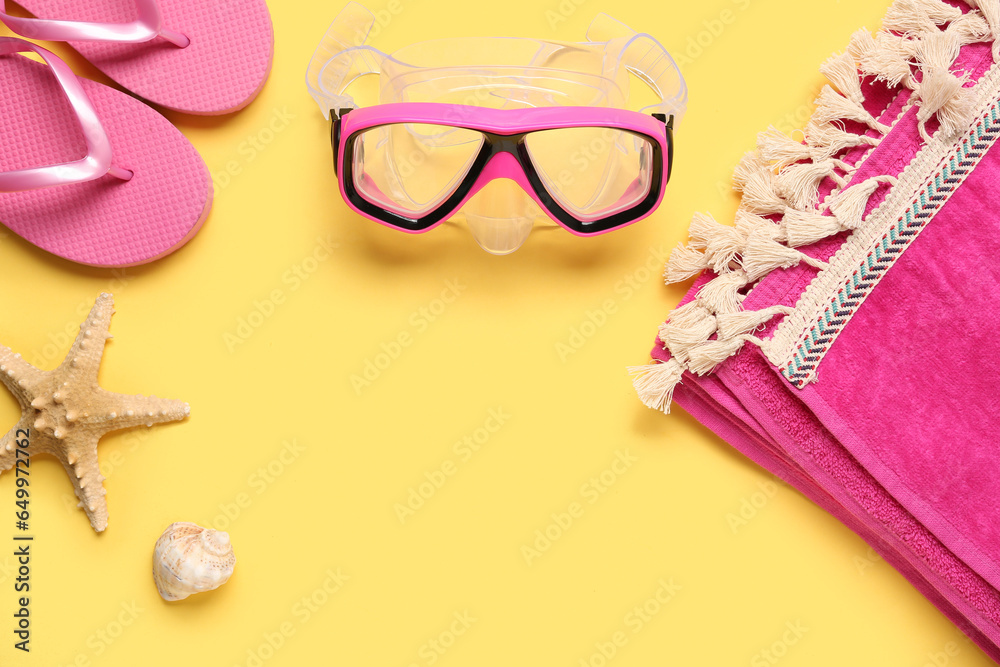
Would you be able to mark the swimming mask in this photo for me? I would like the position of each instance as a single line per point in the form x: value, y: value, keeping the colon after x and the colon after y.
x: 500, y: 132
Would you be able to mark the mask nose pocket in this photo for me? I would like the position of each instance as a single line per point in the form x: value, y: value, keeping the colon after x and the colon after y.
x: 500, y: 216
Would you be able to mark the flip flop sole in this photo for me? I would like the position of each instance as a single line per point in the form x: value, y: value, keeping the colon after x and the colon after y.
x: 221, y: 71
x: 105, y: 222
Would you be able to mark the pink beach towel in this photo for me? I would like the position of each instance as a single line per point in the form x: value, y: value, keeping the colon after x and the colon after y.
x: 843, y: 332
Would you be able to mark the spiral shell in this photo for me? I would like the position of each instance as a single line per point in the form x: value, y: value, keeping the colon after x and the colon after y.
x: 189, y: 559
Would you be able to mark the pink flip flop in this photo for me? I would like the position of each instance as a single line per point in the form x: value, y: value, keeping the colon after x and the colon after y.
x: 204, y: 57
x: 89, y: 173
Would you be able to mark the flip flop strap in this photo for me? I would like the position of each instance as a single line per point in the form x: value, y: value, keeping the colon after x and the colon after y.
x: 96, y: 164
x: 148, y: 26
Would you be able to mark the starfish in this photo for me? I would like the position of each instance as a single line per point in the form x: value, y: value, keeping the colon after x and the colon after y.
x: 66, y: 413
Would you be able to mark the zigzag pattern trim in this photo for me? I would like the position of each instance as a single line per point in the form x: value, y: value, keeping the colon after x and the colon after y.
x: 816, y: 340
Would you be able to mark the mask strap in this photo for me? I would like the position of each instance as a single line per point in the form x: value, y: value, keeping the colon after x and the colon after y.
x: 646, y: 58
x: 341, y: 58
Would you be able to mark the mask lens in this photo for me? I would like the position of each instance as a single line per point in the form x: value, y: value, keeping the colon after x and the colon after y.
x: 592, y: 172
x: 412, y: 168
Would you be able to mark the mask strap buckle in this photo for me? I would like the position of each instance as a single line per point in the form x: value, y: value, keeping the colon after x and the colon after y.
x: 341, y: 58
x: 646, y: 58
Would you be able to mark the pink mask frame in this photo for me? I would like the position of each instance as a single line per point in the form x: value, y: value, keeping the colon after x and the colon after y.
x: 503, y: 155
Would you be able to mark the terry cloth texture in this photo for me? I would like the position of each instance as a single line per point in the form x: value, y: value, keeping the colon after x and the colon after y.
x: 842, y: 333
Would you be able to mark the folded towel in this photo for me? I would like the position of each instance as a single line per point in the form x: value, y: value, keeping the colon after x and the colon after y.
x: 842, y: 334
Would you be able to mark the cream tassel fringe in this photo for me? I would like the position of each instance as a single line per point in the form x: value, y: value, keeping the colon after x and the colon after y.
x: 745, y: 252
x: 701, y: 230
x: 916, y: 17
x: 882, y: 56
x: 723, y: 246
x: 755, y: 180
x: 706, y: 357
x: 971, y: 28
x: 834, y: 139
x: 655, y: 383
x: 831, y: 105
x: 850, y: 204
x: 805, y: 228
x: 732, y: 325
x: 991, y: 12
x: 942, y: 92
x: 685, y: 262
x: 691, y: 314
x: 689, y: 326
x: 778, y: 148
x: 759, y: 195
x: 823, y: 141
x: 842, y: 72
x: 747, y: 223
x: 799, y: 183
x: 748, y: 167
x: 722, y: 295
x: 763, y: 255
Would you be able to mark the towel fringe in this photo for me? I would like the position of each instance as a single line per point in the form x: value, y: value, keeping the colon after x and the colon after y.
x: 831, y: 105
x: 781, y: 180
x: 762, y: 254
x: 732, y: 325
x: 882, y: 56
x: 799, y: 183
x: 943, y: 94
x: 850, y: 204
x: 704, y: 358
x: 684, y: 262
x: 757, y: 183
x: 941, y: 91
x: 721, y: 295
x: 938, y: 50
x: 747, y: 223
x: 701, y: 230
x: 724, y: 247
x: 759, y: 195
x: 748, y: 167
x: 916, y: 17
x: 681, y: 337
x: 754, y: 246
x: 655, y: 383
x: 972, y: 27
x: 842, y: 72
x: 721, y: 245
x: 689, y: 315
x: 990, y: 10
x: 833, y: 140
x: 778, y: 148
x: 804, y: 228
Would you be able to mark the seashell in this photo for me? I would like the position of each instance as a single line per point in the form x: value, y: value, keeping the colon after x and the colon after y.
x: 189, y: 559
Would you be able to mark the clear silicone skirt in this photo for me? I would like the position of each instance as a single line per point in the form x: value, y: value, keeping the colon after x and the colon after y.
x: 434, y: 156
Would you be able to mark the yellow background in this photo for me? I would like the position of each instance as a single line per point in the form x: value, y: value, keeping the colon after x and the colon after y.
x: 332, y: 507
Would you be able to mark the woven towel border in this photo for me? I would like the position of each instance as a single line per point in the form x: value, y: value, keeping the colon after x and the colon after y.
x: 802, y: 340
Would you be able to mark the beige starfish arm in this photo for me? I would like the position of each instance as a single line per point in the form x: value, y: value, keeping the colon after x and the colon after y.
x: 84, y: 471
x: 8, y: 443
x: 84, y: 358
x: 122, y: 411
x: 18, y: 375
